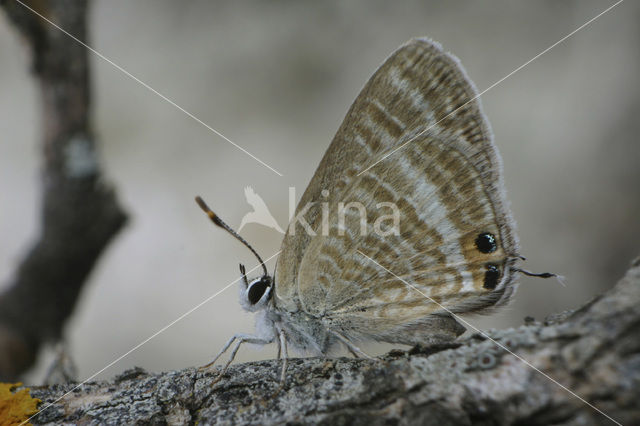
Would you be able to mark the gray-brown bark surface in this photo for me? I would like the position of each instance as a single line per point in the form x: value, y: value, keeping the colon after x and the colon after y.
x: 80, y: 214
x: 594, y: 351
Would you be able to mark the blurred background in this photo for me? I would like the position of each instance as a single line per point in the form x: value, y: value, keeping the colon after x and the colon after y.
x: 277, y: 79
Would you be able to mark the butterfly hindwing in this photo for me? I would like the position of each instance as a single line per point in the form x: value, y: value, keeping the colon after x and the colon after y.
x: 455, y: 241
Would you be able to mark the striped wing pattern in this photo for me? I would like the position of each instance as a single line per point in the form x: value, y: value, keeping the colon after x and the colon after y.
x: 446, y: 182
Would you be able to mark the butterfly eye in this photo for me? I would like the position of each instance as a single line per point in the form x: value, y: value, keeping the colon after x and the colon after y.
x: 257, y: 289
x: 486, y: 242
x: 491, y: 277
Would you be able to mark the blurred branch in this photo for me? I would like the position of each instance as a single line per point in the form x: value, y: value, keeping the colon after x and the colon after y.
x: 80, y: 213
x: 593, y: 351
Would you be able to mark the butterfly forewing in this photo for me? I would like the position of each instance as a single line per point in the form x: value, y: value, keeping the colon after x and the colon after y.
x: 455, y: 242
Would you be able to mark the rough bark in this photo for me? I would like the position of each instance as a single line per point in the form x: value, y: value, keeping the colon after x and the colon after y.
x: 594, y: 351
x: 80, y: 213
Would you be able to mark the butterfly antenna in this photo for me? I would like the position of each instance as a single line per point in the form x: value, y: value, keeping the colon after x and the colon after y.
x: 216, y: 219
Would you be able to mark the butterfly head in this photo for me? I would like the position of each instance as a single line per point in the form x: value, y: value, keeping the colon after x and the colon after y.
x: 255, y: 294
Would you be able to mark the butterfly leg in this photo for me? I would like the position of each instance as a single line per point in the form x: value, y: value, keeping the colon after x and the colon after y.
x: 282, y: 343
x: 285, y: 353
x: 223, y: 350
x: 239, y: 339
x: 355, y: 351
x: 279, y: 342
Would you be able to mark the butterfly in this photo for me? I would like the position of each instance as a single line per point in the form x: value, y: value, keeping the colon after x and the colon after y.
x: 415, y: 139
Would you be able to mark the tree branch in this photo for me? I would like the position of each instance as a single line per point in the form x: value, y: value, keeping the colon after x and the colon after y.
x: 593, y: 351
x: 80, y: 213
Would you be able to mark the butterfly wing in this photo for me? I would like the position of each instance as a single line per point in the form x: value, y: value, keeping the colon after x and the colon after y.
x: 455, y: 242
